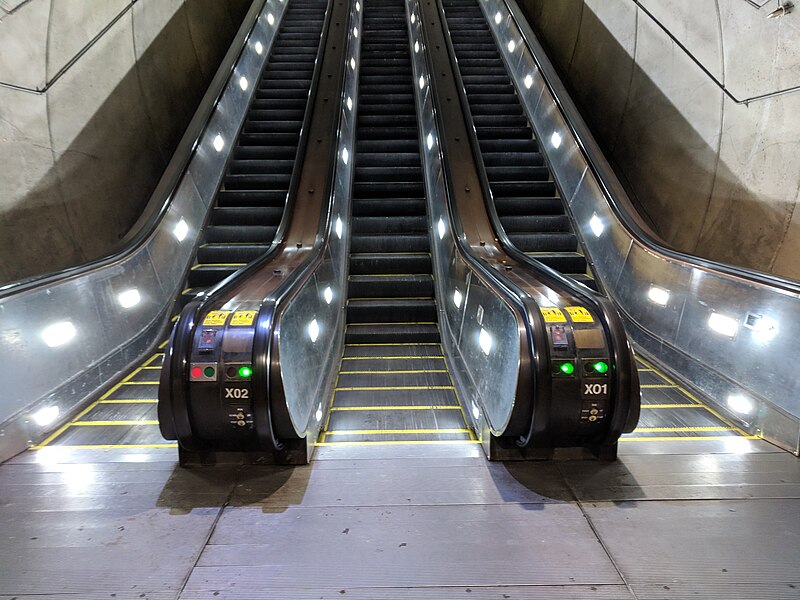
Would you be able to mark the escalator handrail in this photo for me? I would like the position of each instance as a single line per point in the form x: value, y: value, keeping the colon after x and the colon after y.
x: 625, y: 385
x: 499, y: 285
x: 161, y: 198
x: 616, y: 196
x: 192, y: 312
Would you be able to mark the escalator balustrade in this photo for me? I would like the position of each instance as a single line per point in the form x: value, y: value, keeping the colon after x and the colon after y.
x: 525, y: 196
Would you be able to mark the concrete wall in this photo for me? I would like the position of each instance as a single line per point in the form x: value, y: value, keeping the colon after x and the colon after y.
x: 714, y: 178
x: 79, y: 160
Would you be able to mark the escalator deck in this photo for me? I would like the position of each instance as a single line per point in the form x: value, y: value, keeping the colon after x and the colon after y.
x: 393, y: 385
x: 525, y: 196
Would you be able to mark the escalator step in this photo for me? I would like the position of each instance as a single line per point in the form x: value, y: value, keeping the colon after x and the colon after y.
x: 391, y: 311
x: 391, y: 334
x: 230, y: 253
x: 390, y: 285
x: 361, y: 264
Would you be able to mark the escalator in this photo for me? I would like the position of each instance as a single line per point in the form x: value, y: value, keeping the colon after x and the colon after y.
x: 531, y: 215
x: 393, y: 383
x: 248, y: 210
x: 526, y: 199
x: 250, y: 203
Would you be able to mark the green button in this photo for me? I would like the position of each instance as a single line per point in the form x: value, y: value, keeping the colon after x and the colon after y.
x: 567, y: 368
x: 209, y: 371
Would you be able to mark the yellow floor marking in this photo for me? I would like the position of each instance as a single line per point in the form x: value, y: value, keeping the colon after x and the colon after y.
x: 654, y: 386
x: 398, y: 443
x: 131, y: 374
x: 394, y: 345
x: 672, y: 406
x: 694, y: 398
x: 139, y: 382
x: 680, y: 429
x: 105, y: 400
x: 397, y: 407
x: 173, y: 319
x: 158, y: 368
x: 129, y: 401
x: 688, y: 438
x: 394, y: 431
x: 112, y: 446
x: 458, y: 398
x: 641, y: 370
x: 163, y: 345
x: 152, y: 358
x: 392, y: 372
x: 113, y: 423
x: 387, y: 357
x: 406, y: 388
x: 64, y: 427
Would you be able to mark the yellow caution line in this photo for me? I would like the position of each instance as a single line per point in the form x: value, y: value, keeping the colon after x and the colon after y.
x: 112, y: 423
x: 407, y: 388
x: 395, y: 345
x: 458, y: 398
x: 112, y: 446
x: 394, y: 431
x: 652, y: 386
x: 152, y: 358
x: 399, y: 443
x: 641, y: 370
x: 397, y: 407
x: 49, y: 439
x: 688, y: 438
x: 158, y: 368
x: 129, y: 401
x: 163, y: 345
x: 139, y: 382
x: 392, y: 372
x: 680, y: 429
x: 694, y: 398
x: 387, y: 357
x: 64, y: 427
x: 672, y: 406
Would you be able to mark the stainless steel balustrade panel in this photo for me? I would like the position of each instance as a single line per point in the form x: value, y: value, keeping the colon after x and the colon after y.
x: 479, y: 330
x: 312, y: 325
x: 64, y: 341
x: 743, y: 357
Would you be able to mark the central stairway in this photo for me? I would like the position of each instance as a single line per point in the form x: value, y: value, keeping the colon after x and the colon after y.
x: 393, y: 385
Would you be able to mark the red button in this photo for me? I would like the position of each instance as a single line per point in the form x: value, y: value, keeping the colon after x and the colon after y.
x: 197, y: 372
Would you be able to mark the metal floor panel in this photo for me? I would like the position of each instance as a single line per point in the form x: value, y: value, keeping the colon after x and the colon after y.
x: 199, y: 589
x: 408, y: 546
x: 709, y: 544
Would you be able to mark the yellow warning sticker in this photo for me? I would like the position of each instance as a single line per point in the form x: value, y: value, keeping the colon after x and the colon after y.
x: 243, y: 317
x: 553, y: 315
x: 578, y: 314
x: 216, y: 317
